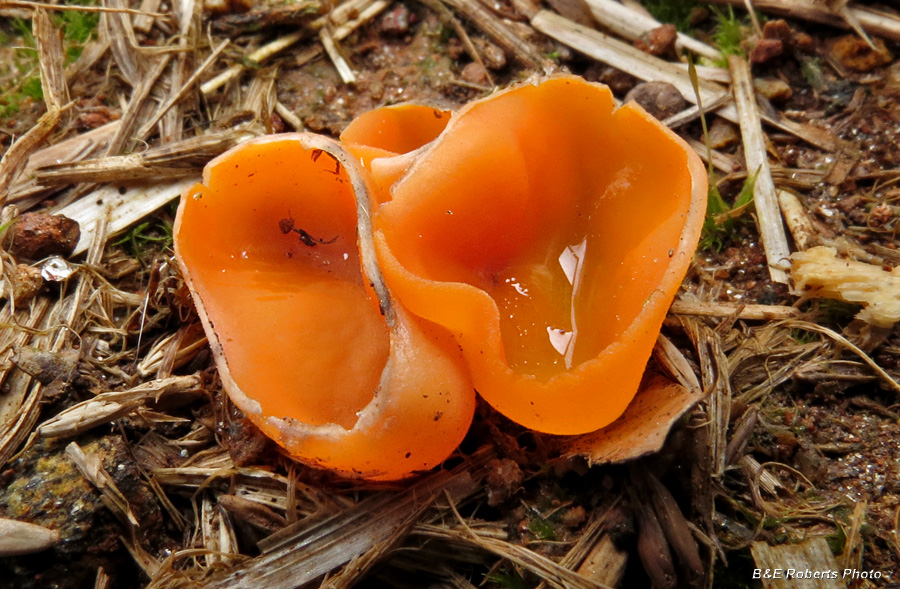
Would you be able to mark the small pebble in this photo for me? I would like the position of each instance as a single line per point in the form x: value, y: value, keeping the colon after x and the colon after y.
x: 493, y: 56
x: 395, y: 21
x: 474, y: 73
x: 35, y: 236
x: 660, y: 99
x: 777, y: 29
x: 766, y: 49
x: 722, y: 134
x: 774, y: 89
x: 855, y: 54
x: 659, y: 41
x: 26, y: 283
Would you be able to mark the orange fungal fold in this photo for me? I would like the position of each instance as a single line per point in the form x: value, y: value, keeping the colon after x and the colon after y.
x: 548, y: 232
x: 268, y: 246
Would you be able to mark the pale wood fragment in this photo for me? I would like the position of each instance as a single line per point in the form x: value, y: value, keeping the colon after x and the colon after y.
x: 819, y: 273
x: 765, y: 200
x: 631, y: 24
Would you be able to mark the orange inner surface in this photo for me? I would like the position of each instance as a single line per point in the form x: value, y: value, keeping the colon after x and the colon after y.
x: 271, y: 244
x: 540, y: 229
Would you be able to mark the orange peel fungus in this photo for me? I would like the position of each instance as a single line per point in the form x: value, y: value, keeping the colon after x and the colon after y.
x: 268, y: 247
x: 549, y: 232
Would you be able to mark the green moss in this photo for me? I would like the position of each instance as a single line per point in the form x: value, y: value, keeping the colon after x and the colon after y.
x: 676, y: 12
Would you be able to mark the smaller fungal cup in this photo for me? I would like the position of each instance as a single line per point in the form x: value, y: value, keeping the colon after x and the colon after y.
x: 308, y: 343
x: 548, y: 231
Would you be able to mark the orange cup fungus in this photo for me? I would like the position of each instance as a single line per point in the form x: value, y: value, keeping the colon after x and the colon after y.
x: 530, y: 243
x: 548, y: 231
x: 268, y: 247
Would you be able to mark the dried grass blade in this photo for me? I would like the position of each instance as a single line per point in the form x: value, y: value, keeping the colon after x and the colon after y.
x: 363, y: 10
x: 765, y: 200
x: 115, y: 27
x: 77, y: 8
x: 16, y: 157
x: 145, y: 130
x: 647, y: 67
x: 136, y: 106
x: 888, y: 379
x: 107, y: 407
x: 309, y: 549
x: 122, y: 209
x: 51, y: 60
x: 90, y: 467
x: 749, y: 312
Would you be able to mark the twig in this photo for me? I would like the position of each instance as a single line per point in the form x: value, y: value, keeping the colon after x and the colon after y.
x: 765, y: 200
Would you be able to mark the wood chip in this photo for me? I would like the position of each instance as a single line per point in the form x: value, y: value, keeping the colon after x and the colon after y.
x: 818, y: 272
x: 765, y: 200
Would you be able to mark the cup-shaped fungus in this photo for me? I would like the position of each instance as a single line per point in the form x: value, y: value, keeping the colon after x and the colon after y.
x: 386, y: 140
x: 268, y: 247
x: 548, y: 231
